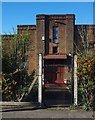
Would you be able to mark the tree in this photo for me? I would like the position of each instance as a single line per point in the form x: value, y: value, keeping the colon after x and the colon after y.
x: 86, y: 69
x: 15, y: 77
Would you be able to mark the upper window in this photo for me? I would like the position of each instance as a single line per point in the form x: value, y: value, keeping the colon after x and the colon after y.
x: 55, y: 34
x: 55, y: 50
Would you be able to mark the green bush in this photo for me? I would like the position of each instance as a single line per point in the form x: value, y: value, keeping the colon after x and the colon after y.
x: 15, y: 76
x: 86, y: 83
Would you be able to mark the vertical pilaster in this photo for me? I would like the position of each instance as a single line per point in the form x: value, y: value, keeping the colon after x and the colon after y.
x: 40, y: 80
x: 75, y: 81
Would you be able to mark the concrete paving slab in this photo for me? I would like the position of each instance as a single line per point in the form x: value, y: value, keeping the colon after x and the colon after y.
x: 48, y: 113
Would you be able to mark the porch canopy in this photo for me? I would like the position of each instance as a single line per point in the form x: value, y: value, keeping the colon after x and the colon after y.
x: 56, y: 56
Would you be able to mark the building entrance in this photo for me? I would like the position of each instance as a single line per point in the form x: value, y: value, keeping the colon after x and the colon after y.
x: 56, y: 92
x: 54, y: 75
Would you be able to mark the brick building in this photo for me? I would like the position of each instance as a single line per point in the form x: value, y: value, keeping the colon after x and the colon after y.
x: 56, y: 37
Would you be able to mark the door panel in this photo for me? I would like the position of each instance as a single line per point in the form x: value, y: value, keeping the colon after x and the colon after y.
x: 60, y: 74
x: 54, y: 74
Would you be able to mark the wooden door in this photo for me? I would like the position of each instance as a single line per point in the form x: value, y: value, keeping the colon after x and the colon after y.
x: 60, y: 74
x: 54, y: 74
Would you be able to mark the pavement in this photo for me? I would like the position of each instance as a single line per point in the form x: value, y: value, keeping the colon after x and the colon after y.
x: 52, y: 97
x: 51, y: 112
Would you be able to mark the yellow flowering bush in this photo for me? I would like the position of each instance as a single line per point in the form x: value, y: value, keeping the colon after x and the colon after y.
x: 86, y: 76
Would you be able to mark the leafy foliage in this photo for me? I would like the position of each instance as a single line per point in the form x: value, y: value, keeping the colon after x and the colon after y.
x: 15, y: 76
x: 86, y: 68
x: 86, y: 75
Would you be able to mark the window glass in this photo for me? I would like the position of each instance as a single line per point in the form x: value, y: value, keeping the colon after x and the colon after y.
x: 55, y: 34
x: 55, y: 50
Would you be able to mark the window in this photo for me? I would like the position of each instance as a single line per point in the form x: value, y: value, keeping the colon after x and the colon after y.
x: 55, y: 50
x: 55, y: 34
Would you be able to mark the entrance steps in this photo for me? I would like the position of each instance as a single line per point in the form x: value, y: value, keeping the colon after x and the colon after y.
x: 58, y: 88
x: 57, y: 96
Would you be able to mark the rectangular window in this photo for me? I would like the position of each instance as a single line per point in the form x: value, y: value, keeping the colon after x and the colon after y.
x: 55, y: 50
x: 55, y: 34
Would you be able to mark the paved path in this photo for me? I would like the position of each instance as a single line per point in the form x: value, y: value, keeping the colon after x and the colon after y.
x: 47, y: 113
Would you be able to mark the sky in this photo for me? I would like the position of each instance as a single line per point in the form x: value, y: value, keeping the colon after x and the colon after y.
x: 24, y: 13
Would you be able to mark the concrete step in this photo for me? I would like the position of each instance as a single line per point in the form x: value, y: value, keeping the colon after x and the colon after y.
x: 57, y: 96
x: 63, y: 88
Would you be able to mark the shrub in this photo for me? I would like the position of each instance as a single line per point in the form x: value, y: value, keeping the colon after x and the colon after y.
x: 86, y: 83
x: 15, y: 77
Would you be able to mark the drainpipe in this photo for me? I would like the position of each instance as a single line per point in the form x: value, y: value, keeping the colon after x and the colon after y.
x: 40, y: 80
